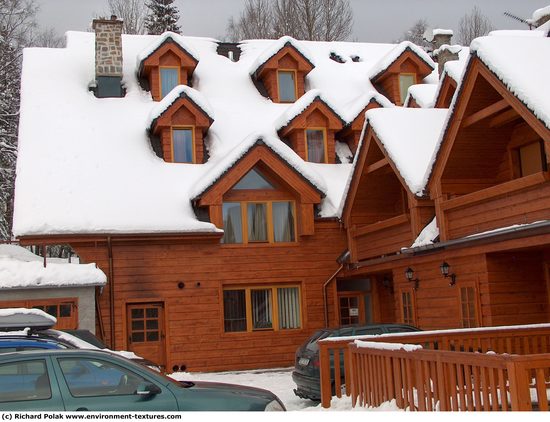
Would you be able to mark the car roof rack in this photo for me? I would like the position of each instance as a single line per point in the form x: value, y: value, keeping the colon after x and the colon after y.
x: 12, y: 319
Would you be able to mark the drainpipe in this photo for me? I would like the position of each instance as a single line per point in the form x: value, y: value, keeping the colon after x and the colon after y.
x: 332, y: 277
x: 111, y: 293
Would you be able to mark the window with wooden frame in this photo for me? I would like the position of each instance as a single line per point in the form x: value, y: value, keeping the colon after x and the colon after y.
x: 408, y: 313
x: 316, y: 145
x: 183, y: 144
x: 468, y: 305
x: 256, y: 211
x: 405, y: 81
x: 65, y: 310
x: 262, y: 308
x: 530, y: 158
x: 169, y: 78
x: 286, y: 84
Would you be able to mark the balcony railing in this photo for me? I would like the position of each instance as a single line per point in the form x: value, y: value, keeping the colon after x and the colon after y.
x: 497, y: 368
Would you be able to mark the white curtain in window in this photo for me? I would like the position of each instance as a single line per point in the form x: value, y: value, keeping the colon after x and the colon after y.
x: 232, y: 223
x: 283, y: 222
x: 289, y: 307
x: 257, y: 222
x: 315, y: 146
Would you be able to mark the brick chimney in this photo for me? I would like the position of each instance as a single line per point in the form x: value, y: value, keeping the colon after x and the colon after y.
x: 108, y: 57
x: 443, y: 51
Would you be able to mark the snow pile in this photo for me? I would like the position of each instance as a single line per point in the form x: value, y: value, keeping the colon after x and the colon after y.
x: 19, y: 270
x: 518, y: 65
x: 428, y: 235
x: 439, y: 31
x: 409, y: 137
x: 539, y: 14
x: 8, y: 312
x: 453, y: 49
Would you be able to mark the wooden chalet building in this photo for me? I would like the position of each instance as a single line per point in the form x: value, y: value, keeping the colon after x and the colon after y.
x: 238, y: 206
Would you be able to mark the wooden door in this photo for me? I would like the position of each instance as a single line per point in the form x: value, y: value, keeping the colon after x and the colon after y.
x: 352, y: 309
x: 146, y: 331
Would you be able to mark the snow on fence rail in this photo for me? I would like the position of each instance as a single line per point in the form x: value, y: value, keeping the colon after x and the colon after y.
x: 477, y: 351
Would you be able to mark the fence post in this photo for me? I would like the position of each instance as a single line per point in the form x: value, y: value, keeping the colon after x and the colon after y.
x: 324, y: 363
x: 519, y: 386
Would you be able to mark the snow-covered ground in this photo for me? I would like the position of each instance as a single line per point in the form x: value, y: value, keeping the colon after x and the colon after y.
x: 278, y: 381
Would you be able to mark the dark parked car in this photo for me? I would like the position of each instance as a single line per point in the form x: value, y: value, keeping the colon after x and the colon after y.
x: 306, y: 374
x: 94, y: 380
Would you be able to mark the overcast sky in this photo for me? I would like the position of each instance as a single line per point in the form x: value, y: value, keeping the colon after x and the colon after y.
x: 374, y: 20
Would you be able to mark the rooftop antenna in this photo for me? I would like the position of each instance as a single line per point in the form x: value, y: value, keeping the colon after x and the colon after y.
x: 517, y: 18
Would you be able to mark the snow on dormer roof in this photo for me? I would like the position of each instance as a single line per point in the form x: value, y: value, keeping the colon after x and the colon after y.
x: 423, y: 94
x: 277, y: 46
x: 167, y: 36
x: 410, y: 137
x: 181, y: 91
x: 394, y: 54
x: 522, y: 66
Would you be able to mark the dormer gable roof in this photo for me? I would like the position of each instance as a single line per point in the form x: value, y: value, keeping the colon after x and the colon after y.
x: 284, y: 45
x: 352, y: 110
x: 280, y: 155
x: 406, y: 138
x: 422, y: 94
x: 310, y: 100
x: 402, y: 52
x: 168, y: 41
x: 516, y: 68
x: 175, y: 100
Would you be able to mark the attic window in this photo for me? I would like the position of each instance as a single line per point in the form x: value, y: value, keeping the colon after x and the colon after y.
x: 316, y: 145
x: 286, y: 80
x: 253, y: 180
x: 405, y: 81
x: 169, y: 79
x: 183, y: 145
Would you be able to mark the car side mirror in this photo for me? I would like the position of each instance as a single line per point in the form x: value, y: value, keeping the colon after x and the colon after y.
x: 147, y: 390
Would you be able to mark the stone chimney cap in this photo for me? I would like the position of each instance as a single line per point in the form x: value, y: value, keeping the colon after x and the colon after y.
x: 113, y: 20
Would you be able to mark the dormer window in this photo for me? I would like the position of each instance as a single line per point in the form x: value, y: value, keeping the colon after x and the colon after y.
x: 316, y: 148
x: 169, y: 79
x: 286, y: 80
x: 183, y: 145
x: 248, y: 219
x: 405, y: 81
x: 281, y: 73
x: 167, y: 63
x: 179, y: 126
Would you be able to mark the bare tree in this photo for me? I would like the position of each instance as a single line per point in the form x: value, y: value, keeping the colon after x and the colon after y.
x: 132, y: 13
x: 415, y: 34
x: 317, y: 20
x: 47, y: 38
x: 472, y: 25
x: 255, y: 21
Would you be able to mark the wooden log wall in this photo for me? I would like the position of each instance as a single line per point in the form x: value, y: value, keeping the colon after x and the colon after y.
x: 150, y: 272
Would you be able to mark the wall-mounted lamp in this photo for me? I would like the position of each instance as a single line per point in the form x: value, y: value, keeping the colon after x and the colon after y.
x: 387, y: 283
x: 409, y: 274
x: 444, y: 267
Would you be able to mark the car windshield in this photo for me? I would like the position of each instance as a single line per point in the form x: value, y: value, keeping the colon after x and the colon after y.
x: 312, y: 344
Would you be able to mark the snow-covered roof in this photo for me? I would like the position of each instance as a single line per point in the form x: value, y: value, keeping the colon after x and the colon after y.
x: 274, y: 47
x: 161, y: 39
x: 540, y: 13
x: 21, y: 269
x: 395, y: 53
x: 423, y: 94
x: 300, y: 105
x: 522, y: 65
x: 409, y: 136
x: 87, y: 165
x: 181, y: 91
